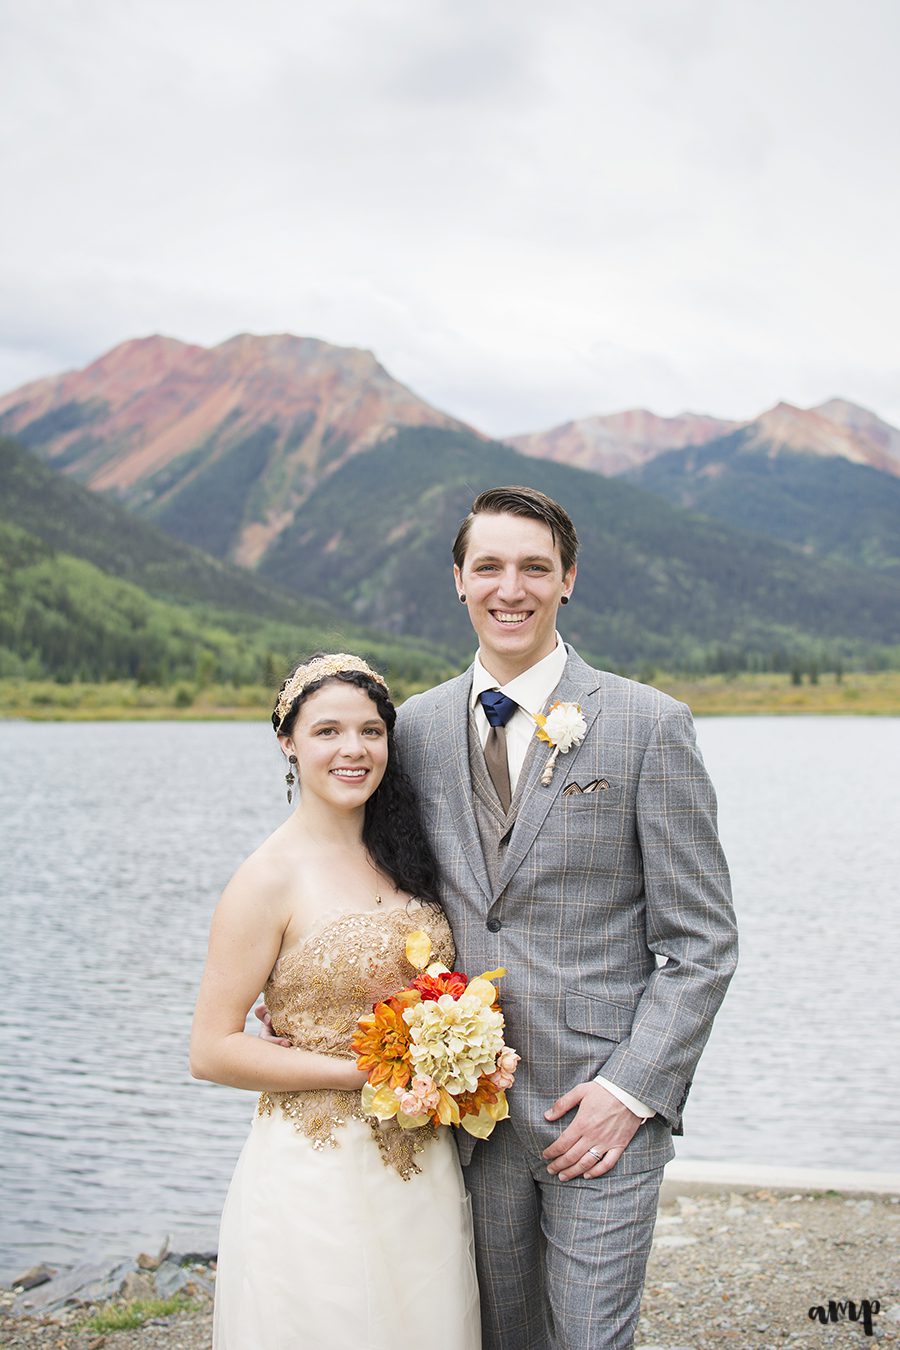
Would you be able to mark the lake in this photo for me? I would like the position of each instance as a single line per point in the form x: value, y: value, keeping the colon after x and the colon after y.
x: 118, y: 837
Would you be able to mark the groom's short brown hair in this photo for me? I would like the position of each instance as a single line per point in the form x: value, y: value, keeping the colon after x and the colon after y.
x: 533, y: 505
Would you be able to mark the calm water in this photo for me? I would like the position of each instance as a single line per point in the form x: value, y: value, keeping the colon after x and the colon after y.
x: 116, y: 840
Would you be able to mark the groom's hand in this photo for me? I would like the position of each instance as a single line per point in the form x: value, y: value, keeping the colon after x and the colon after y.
x: 266, y: 1030
x: 601, y: 1123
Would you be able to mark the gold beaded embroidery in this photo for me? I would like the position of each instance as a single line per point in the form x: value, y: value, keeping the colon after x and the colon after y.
x: 316, y: 994
x: 318, y: 1114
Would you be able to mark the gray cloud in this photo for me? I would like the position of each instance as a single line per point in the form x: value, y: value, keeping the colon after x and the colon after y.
x: 529, y: 214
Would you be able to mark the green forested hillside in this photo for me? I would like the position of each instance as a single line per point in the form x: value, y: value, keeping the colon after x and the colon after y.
x: 62, y: 618
x: 85, y: 593
x: 826, y: 506
x: 656, y: 584
x: 87, y: 525
x: 89, y: 591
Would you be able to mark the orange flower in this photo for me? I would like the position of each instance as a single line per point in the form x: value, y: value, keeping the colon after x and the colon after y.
x: 431, y: 987
x: 382, y: 1044
x: 486, y: 1094
x: 480, y: 1110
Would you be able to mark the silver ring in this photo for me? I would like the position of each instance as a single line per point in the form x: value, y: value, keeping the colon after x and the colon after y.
x: 598, y: 1156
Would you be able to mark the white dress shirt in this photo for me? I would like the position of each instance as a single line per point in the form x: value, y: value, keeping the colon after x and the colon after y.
x: 532, y: 690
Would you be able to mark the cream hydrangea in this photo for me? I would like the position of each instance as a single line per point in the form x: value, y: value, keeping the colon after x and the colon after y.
x: 454, y: 1040
x: 565, y: 726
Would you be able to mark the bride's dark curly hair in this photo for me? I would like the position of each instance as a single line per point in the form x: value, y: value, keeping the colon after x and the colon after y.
x: 392, y: 828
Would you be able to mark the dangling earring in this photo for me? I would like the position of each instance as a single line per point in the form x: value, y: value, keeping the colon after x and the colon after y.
x: 289, y: 778
x: 462, y: 597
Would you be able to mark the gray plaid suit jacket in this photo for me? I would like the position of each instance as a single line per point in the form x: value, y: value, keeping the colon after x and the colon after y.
x: 594, y: 887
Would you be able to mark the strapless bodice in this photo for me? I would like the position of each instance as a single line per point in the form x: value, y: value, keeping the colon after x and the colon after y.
x: 317, y: 993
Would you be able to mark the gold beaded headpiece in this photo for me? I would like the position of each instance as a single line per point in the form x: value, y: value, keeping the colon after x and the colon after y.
x: 320, y: 668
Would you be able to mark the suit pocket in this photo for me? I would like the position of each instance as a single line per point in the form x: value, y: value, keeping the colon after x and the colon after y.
x: 602, y: 799
x: 597, y: 1016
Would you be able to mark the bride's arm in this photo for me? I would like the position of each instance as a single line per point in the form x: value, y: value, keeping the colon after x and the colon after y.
x: 244, y: 942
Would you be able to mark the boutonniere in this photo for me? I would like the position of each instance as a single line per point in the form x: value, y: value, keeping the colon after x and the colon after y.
x: 562, y: 727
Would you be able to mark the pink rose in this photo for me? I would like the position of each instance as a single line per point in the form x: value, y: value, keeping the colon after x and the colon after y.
x: 419, y: 1098
x: 504, y: 1075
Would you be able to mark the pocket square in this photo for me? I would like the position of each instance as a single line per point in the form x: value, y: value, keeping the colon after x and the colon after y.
x: 575, y: 789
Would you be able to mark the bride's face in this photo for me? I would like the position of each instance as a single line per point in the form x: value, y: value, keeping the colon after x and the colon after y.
x: 340, y: 742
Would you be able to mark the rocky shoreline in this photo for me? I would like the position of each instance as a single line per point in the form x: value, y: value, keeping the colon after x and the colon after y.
x: 730, y: 1267
x: 68, y: 1311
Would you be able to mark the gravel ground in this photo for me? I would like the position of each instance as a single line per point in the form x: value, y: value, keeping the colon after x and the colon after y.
x: 185, y: 1331
x: 743, y: 1269
x: 735, y: 1269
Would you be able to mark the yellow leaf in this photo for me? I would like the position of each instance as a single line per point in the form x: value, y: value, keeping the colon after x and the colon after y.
x: 541, y: 734
x: 411, y: 1122
x: 480, y: 1125
x: 483, y: 990
x: 381, y: 1102
x: 499, y: 1109
x: 418, y: 949
x: 438, y: 968
x: 493, y: 974
x: 448, y: 1110
x: 407, y: 998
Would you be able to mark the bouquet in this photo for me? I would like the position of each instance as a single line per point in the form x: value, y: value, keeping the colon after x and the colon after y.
x: 435, y: 1052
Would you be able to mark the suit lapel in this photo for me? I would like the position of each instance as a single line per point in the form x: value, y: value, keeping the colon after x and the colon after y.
x: 451, y: 725
x: 579, y: 684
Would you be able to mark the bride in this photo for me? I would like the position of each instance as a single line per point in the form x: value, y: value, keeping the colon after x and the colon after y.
x: 336, y: 1232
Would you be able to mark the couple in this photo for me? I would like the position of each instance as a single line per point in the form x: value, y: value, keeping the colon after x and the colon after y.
x: 594, y: 876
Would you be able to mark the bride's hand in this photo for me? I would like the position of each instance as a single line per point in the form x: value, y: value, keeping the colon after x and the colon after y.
x: 355, y: 1078
x: 266, y: 1032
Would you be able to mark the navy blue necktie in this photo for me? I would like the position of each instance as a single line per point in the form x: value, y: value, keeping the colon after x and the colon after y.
x: 498, y: 709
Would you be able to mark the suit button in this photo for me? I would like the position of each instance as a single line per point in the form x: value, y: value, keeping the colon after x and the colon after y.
x: 494, y: 925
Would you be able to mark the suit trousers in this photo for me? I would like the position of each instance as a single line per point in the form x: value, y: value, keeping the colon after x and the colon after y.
x: 561, y: 1264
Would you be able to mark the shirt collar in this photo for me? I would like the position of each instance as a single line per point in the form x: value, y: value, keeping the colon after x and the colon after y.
x: 532, y: 688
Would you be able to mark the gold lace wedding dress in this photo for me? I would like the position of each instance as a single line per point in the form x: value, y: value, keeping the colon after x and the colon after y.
x: 338, y: 1234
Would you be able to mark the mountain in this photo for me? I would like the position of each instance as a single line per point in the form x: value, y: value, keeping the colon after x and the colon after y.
x: 819, y: 500
x: 620, y: 441
x: 824, y: 479
x: 217, y: 445
x: 88, y: 591
x: 656, y: 584
x: 869, y: 428
x: 625, y: 442
x: 310, y: 464
x: 847, y: 433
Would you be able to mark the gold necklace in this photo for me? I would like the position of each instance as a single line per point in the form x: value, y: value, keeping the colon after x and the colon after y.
x: 377, y: 878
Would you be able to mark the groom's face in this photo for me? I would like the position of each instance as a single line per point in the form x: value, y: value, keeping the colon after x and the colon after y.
x: 513, y: 581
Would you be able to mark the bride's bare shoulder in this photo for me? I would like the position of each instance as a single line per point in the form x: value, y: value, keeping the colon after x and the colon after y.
x: 270, y: 874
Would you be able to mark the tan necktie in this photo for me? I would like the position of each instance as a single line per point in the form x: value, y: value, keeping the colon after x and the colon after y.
x: 498, y: 709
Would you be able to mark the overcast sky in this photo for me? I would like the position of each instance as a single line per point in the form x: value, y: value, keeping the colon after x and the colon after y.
x: 529, y: 211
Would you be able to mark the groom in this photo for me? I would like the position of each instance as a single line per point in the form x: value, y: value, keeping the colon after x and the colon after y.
x: 605, y: 895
